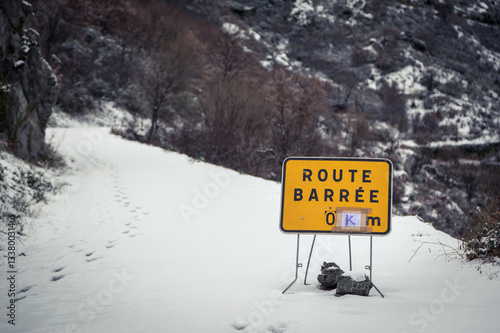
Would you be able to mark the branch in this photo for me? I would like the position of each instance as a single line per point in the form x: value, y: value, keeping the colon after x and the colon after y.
x: 415, y: 252
x: 442, y: 245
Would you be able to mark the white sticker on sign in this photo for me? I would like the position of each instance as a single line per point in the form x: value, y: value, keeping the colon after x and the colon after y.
x: 352, y: 220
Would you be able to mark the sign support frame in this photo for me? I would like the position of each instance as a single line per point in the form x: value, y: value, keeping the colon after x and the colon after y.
x: 299, y: 265
x: 311, y: 179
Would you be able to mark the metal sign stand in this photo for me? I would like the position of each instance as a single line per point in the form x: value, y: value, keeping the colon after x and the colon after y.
x: 299, y: 265
x: 370, y: 267
x: 308, y: 261
x: 350, y: 258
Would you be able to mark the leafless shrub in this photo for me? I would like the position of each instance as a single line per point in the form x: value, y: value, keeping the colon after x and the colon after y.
x: 426, y: 127
x: 429, y: 80
x: 483, y: 239
x: 394, y: 108
x: 359, y: 129
x: 415, y: 163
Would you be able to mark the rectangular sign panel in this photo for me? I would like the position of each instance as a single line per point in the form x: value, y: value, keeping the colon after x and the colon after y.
x: 336, y: 195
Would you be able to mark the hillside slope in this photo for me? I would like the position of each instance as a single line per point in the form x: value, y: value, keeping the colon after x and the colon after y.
x: 416, y: 81
x: 441, y: 56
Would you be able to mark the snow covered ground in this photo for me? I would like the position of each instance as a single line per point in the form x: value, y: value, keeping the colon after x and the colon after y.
x: 144, y: 240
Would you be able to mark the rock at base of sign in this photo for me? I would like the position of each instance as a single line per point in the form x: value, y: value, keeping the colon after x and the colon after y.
x: 330, y: 273
x: 354, y: 284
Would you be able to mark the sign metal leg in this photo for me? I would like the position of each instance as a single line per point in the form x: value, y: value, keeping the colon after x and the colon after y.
x: 297, y: 265
x: 309, y: 260
x: 350, y: 257
x: 370, y: 267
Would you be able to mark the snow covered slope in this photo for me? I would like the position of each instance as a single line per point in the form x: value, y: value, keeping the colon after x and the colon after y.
x: 144, y: 240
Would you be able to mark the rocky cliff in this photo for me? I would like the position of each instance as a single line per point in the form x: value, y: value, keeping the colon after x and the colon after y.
x: 28, y: 87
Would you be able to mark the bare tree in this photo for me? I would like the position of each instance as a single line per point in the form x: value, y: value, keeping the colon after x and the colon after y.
x: 166, y: 76
x: 294, y: 105
x: 232, y: 103
x: 172, y: 64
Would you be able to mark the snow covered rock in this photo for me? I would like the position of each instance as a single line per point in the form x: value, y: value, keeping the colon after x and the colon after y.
x: 353, y: 283
x: 329, y: 275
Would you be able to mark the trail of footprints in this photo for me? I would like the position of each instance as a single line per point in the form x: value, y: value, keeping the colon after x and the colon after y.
x: 111, y: 220
x: 135, y: 212
x: 243, y: 326
x: 127, y: 217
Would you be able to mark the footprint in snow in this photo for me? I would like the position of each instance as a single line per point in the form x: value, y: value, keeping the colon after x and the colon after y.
x: 240, y: 325
x: 110, y: 244
x: 278, y: 328
x: 57, y: 270
x: 89, y: 258
x: 25, y: 289
x: 57, y: 277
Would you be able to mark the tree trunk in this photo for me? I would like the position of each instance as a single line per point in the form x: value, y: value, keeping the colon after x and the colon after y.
x: 154, y: 121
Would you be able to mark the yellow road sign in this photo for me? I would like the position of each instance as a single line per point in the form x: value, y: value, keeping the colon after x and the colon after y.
x: 336, y: 195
